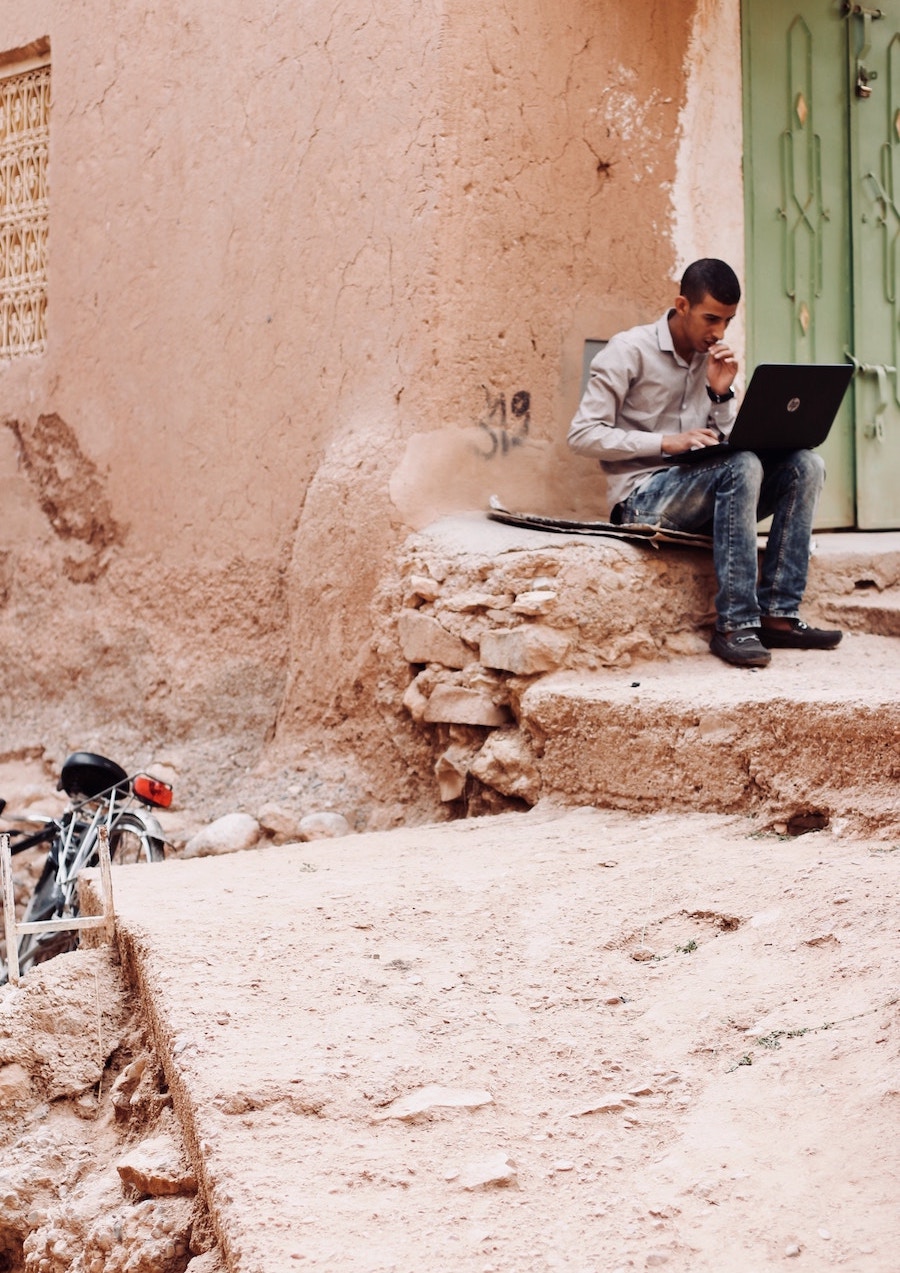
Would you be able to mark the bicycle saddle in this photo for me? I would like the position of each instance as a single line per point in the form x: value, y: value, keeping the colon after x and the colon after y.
x: 85, y: 774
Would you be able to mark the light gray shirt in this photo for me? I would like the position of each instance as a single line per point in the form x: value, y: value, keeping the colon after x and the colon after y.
x: 639, y: 389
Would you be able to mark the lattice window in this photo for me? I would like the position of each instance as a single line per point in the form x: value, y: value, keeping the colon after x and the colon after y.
x: 24, y: 210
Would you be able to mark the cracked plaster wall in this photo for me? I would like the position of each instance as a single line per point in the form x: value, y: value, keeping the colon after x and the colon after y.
x: 319, y: 274
x: 559, y: 161
x: 708, y: 193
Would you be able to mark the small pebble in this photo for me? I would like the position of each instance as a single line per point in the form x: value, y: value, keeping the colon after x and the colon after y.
x: 792, y: 1250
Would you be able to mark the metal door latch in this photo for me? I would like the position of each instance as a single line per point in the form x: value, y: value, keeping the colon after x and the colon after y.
x: 864, y: 77
x: 875, y: 429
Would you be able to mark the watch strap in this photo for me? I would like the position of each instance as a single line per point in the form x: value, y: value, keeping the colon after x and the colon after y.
x: 719, y: 398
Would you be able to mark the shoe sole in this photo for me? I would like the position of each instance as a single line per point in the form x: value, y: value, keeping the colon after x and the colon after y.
x: 778, y: 641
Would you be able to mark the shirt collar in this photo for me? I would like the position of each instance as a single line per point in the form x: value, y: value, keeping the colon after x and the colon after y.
x: 666, y: 344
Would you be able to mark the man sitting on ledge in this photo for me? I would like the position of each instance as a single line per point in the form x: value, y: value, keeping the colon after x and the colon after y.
x: 665, y: 388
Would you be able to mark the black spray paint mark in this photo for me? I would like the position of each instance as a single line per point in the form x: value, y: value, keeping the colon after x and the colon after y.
x: 505, y: 432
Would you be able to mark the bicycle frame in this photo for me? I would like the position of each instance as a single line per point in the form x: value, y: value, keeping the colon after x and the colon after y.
x: 79, y: 841
x: 70, y: 829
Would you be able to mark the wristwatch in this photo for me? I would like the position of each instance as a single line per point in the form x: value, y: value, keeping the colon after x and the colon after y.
x: 719, y: 398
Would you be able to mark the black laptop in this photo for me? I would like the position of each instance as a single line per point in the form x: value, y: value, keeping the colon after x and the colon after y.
x: 787, y: 406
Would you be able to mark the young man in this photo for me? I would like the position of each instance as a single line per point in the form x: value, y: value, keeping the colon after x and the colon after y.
x: 663, y: 389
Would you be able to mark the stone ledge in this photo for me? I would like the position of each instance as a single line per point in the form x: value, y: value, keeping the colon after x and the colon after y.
x: 493, y: 612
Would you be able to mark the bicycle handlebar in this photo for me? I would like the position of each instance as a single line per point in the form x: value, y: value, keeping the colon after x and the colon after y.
x: 29, y: 841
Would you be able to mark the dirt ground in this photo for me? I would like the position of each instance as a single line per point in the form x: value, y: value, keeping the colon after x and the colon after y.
x: 559, y: 1040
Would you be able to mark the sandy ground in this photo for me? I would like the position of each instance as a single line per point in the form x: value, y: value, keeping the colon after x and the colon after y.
x: 581, y: 1041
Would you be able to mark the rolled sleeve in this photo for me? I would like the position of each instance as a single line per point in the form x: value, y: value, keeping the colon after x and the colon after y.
x: 722, y: 416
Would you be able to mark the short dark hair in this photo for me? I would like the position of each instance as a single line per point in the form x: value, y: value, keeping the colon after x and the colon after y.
x: 710, y: 277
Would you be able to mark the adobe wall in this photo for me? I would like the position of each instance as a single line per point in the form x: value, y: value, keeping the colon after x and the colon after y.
x: 317, y: 277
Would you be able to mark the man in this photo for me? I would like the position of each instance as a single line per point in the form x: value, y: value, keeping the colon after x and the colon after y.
x: 662, y: 390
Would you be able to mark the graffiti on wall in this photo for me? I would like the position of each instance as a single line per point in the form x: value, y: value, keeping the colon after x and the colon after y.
x: 504, y: 425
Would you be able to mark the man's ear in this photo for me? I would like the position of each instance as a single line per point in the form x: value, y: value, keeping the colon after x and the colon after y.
x: 682, y: 305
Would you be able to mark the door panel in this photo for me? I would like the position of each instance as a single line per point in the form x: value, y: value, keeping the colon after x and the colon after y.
x: 798, y: 208
x: 822, y: 185
x: 874, y: 96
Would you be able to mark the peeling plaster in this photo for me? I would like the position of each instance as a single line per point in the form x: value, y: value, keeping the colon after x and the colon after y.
x: 70, y: 490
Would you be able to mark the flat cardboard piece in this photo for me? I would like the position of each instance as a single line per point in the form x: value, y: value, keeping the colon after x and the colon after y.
x: 635, y: 531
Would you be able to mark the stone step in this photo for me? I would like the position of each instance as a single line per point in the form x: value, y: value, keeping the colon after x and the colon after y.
x: 815, y: 736
x: 875, y: 612
x: 854, y: 580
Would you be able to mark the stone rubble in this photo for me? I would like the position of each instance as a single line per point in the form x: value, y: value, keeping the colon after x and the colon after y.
x: 496, y: 1171
x: 94, y: 1177
x: 324, y: 825
x: 157, y: 1168
x: 229, y: 834
x: 278, y: 823
x: 236, y: 832
x: 431, y: 1097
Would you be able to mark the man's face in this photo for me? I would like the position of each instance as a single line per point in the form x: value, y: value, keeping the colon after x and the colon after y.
x: 703, y: 325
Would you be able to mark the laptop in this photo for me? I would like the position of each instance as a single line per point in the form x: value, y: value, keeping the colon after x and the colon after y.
x: 787, y: 407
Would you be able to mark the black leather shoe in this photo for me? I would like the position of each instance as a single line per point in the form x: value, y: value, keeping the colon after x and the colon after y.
x: 742, y: 647
x: 799, y: 636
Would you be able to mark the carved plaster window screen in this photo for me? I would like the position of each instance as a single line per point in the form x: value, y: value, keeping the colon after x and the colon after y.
x: 24, y: 209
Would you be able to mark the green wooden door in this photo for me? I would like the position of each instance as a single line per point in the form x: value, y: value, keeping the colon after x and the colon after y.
x: 874, y: 96
x: 821, y: 143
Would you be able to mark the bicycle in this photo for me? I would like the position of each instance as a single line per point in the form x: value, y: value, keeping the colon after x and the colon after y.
x: 101, y: 794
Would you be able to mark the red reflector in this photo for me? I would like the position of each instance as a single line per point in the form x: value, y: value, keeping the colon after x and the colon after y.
x: 152, y: 791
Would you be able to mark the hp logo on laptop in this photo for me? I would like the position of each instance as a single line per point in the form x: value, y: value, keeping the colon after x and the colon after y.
x: 793, y: 404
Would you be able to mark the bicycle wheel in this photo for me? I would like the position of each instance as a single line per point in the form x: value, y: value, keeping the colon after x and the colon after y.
x: 47, y: 902
x: 130, y: 840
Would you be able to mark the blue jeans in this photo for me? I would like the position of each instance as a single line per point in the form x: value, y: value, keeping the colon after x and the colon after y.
x: 726, y: 497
